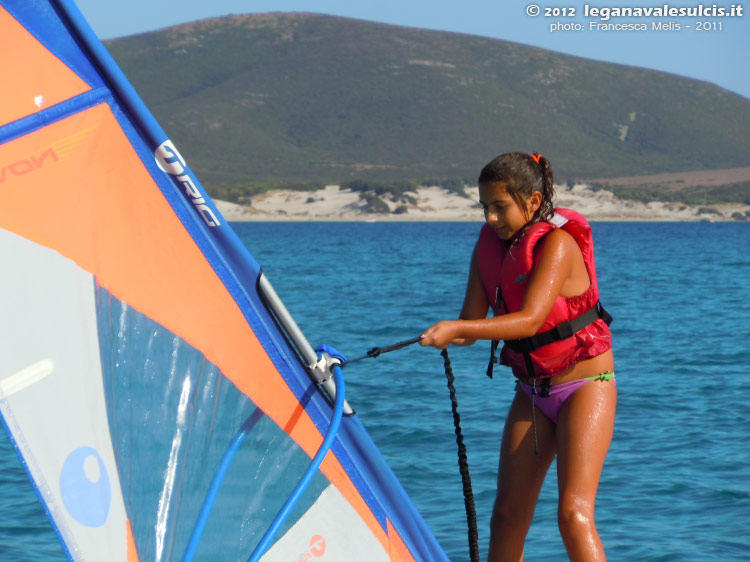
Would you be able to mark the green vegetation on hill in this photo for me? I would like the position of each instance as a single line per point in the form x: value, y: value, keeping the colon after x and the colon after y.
x: 285, y: 100
x: 694, y: 195
x: 398, y: 188
x: 241, y: 192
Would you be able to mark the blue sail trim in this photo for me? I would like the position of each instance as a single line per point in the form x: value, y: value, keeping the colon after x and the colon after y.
x: 31, y: 123
x: 38, y: 493
x: 392, y: 497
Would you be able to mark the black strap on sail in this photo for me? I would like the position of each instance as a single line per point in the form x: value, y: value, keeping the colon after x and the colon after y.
x: 562, y: 331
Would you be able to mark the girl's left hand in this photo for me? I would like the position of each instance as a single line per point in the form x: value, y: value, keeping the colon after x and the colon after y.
x: 441, y: 334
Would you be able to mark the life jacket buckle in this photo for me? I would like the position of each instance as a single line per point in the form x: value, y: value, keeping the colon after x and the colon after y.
x: 564, y: 330
x: 543, y: 389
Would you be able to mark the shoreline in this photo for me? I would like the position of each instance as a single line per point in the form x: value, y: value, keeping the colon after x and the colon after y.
x: 435, y: 204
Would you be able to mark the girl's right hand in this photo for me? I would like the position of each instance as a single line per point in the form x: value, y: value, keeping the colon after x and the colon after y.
x: 442, y: 334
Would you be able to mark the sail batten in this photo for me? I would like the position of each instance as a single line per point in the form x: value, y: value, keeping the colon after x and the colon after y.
x: 64, y: 109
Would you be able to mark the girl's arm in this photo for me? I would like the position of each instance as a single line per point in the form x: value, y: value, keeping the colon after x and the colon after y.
x: 557, y: 252
x: 475, y: 299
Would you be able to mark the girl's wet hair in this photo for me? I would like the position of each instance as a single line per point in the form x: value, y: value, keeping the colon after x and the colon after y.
x: 523, y: 174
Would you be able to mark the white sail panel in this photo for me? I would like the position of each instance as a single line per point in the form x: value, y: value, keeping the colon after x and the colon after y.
x: 329, y: 530
x: 52, y: 398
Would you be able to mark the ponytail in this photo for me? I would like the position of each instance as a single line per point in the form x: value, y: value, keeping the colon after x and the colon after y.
x: 546, y: 188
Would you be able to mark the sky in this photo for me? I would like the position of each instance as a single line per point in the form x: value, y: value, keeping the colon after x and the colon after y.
x: 710, y: 47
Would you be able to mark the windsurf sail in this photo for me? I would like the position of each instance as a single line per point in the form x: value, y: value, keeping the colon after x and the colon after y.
x: 158, y: 393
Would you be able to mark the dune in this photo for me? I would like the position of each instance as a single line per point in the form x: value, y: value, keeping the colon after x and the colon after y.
x: 438, y: 204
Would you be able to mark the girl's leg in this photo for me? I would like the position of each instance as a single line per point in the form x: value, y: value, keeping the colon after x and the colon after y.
x: 584, y: 431
x: 520, y: 477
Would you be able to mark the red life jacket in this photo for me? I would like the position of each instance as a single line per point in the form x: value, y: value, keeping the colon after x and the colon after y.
x: 575, y: 329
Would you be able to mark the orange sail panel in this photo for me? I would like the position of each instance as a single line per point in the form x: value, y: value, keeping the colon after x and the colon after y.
x: 39, y: 79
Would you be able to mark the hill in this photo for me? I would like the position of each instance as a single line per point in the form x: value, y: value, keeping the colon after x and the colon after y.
x: 695, y: 188
x: 291, y: 98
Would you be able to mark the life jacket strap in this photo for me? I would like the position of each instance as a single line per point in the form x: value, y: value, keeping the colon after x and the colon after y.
x: 493, y: 357
x: 562, y: 331
x: 493, y: 348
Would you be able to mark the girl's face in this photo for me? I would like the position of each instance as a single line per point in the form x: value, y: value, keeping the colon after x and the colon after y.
x: 502, y: 212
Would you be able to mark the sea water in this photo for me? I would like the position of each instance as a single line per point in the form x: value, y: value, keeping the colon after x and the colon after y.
x: 676, y: 484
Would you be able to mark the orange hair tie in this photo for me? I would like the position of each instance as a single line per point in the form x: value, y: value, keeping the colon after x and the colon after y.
x: 537, y: 157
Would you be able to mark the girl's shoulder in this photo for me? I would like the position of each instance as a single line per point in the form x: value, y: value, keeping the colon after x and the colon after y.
x: 557, y: 242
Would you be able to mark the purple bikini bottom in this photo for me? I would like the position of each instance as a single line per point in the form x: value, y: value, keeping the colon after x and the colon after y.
x: 559, y: 394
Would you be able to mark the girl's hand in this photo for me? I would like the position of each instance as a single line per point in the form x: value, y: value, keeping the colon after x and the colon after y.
x: 441, y: 334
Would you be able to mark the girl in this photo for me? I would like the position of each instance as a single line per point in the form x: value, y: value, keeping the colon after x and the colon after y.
x: 534, y: 265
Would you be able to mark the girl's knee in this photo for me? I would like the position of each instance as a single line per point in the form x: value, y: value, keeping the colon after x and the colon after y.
x: 508, y: 531
x: 507, y: 514
x: 575, y: 517
x: 500, y: 518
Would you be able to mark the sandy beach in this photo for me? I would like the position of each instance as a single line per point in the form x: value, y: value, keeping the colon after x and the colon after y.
x: 437, y: 204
